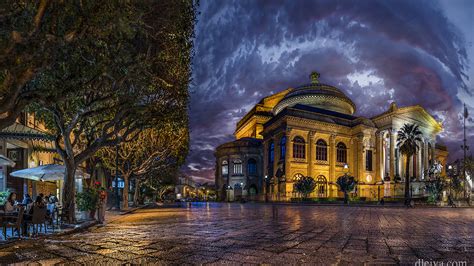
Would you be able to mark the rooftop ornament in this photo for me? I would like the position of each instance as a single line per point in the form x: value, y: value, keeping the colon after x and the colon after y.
x: 314, y: 77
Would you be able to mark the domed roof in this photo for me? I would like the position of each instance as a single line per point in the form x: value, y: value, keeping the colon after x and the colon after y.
x: 317, y: 95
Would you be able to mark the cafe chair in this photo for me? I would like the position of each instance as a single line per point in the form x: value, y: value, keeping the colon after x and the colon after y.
x: 16, y: 224
x: 38, y: 219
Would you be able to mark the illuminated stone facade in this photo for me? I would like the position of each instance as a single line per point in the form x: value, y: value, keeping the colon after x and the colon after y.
x: 311, y: 131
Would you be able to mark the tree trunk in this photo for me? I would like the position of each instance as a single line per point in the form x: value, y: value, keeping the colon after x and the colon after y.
x: 125, y: 192
x: 346, y: 197
x: 69, y: 192
x: 407, y: 181
x: 135, y: 194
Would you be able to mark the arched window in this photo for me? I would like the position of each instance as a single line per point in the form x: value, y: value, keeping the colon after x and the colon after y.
x: 341, y: 153
x: 237, y: 167
x: 225, y: 168
x: 297, y: 177
x: 271, y: 153
x: 282, y: 148
x: 321, y: 150
x: 252, y: 166
x: 299, y: 148
x: 321, y: 186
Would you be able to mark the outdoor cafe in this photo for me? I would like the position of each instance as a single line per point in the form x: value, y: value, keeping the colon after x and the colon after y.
x: 37, y: 213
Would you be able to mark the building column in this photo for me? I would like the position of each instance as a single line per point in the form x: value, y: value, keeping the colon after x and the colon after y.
x: 379, y: 156
x: 360, y: 157
x: 310, y: 153
x: 426, y: 165
x: 420, y: 164
x: 393, y: 138
x: 332, y: 163
x: 288, y: 156
x: 433, y: 151
x: 275, y: 167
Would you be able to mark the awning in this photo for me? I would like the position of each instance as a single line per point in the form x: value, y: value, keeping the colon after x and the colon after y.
x: 6, y: 161
x: 40, y: 141
x: 48, y: 172
x: 21, y: 132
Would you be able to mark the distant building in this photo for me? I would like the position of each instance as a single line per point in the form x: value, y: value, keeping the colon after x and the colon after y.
x: 311, y: 131
x: 28, y: 144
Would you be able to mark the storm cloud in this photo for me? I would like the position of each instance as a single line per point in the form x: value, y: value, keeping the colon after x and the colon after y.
x: 375, y: 51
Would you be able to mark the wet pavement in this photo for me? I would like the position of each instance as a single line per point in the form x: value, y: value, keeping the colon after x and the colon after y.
x: 262, y: 233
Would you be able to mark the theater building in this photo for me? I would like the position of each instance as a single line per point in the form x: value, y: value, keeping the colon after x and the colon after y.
x: 311, y: 130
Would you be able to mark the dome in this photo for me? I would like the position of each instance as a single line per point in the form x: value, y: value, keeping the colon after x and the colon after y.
x: 317, y: 95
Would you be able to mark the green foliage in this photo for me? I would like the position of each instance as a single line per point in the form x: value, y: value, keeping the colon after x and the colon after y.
x: 4, y: 196
x: 305, y: 186
x: 88, y: 199
x: 346, y: 183
x: 408, y: 138
x: 435, y: 189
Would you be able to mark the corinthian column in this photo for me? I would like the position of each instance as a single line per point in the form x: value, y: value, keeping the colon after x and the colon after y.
x: 379, y: 156
x: 393, y: 138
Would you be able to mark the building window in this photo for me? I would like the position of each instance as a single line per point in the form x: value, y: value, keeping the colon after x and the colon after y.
x: 225, y: 168
x: 282, y: 148
x: 368, y: 160
x: 271, y: 153
x: 321, y: 187
x: 238, y: 167
x: 252, y: 167
x: 298, y: 148
x: 341, y: 153
x: 297, y: 177
x: 321, y: 150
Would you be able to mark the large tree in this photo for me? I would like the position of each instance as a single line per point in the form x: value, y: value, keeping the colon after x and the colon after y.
x: 31, y: 34
x: 407, y: 142
x: 117, y: 79
x: 148, y: 154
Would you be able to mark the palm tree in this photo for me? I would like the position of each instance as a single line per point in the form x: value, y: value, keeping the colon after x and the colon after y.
x: 407, y: 143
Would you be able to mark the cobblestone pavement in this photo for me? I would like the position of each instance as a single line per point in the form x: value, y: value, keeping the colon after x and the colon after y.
x: 263, y: 233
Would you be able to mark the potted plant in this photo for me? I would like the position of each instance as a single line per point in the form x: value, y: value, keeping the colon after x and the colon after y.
x: 87, y: 201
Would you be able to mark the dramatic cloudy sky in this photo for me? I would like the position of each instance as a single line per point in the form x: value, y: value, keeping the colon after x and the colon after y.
x: 411, y: 52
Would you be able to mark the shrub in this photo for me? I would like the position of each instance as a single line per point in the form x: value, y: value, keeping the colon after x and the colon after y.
x: 87, y: 200
x: 305, y: 186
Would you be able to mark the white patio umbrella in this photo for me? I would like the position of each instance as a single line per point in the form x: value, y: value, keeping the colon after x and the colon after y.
x: 47, y: 172
x: 6, y: 161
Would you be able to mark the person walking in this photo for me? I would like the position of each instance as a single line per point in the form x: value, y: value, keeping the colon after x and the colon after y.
x: 102, y: 206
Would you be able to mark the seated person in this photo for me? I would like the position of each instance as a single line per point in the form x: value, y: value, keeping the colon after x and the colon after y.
x: 39, y: 202
x: 10, y: 204
x: 53, y: 198
x: 27, y: 200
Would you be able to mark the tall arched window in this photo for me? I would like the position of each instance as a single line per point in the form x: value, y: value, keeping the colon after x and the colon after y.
x: 321, y: 186
x: 282, y: 148
x: 299, y: 148
x: 252, y: 166
x: 321, y: 150
x: 225, y: 168
x: 237, y: 167
x: 297, y: 177
x: 271, y: 153
x: 341, y: 153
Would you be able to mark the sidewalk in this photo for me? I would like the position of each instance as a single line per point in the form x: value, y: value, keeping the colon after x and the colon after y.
x: 110, y: 216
